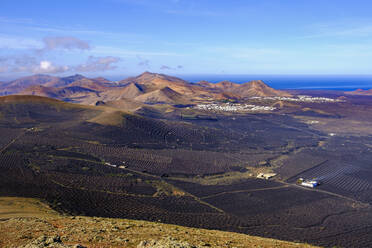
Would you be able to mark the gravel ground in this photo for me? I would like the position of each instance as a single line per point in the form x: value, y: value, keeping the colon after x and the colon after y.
x: 49, y: 229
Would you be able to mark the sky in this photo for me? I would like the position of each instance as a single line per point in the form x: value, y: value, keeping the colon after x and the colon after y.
x: 116, y: 38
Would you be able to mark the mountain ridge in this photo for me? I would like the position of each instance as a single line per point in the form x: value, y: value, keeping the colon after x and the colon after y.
x: 148, y: 88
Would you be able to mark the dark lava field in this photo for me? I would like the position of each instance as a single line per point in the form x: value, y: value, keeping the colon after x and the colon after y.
x: 199, y: 172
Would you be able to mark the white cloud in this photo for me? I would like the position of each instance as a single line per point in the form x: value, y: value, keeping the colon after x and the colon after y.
x: 46, y: 66
x: 37, y: 60
x: 29, y: 64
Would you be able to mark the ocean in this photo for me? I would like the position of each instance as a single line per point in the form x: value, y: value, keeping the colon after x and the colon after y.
x: 315, y: 82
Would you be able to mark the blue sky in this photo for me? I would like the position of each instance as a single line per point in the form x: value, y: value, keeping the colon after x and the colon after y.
x: 185, y: 37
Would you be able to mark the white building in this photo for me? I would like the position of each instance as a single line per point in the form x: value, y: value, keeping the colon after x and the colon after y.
x: 266, y: 175
x: 310, y: 183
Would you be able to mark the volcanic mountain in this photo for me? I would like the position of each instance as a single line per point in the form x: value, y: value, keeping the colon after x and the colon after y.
x: 93, y: 84
x: 131, y: 91
x: 360, y: 92
x: 226, y: 86
x: 101, y: 80
x: 149, y: 78
x: 152, y: 81
x: 257, y: 88
x: 23, y: 83
x: 29, y: 109
x: 64, y: 93
x: 20, y: 84
x: 163, y: 95
x: 249, y: 89
x: 147, y: 88
x: 40, y: 90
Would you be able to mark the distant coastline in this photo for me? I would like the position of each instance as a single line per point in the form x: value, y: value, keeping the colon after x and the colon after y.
x: 300, y: 82
x: 282, y: 82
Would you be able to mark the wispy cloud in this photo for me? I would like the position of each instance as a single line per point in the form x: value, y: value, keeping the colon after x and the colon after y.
x: 150, y: 3
x: 340, y: 30
x: 58, y: 30
x: 166, y: 67
x: 143, y: 62
x: 4, y: 19
x: 94, y: 64
x: 193, y: 12
x: 34, y: 60
x: 133, y: 53
x: 65, y: 42
x: 245, y: 53
x: 174, y: 7
x: 29, y: 64
x: 16, y: 42
x: 47, y: 44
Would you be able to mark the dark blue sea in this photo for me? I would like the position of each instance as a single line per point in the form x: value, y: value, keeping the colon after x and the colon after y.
x: 318, y: 82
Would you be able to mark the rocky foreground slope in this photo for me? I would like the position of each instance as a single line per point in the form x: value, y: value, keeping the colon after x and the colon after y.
x: 29, y: 223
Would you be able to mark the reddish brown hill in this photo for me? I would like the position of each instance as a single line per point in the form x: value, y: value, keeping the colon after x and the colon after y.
x: 146, y: 88
x: 39, y: 90
x: 90, y: 84
x: 31, y: 101
x: 164, y: 95
x: 125, y: 104
x: 130, y: 91
x: 20, y: 84
x: 63, y: 93
x: 75, y: 91
x: 234, y: 90
x: 257, y: 88
x: 68, y: 80
x: 226, y: 86
x: 206, y: 84
x: 360, y: 92
x: 148, y: 77
x: 101, y: 80
x: 152, y: 81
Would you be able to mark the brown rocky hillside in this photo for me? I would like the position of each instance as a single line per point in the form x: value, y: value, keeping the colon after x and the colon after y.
x: 29, y: 223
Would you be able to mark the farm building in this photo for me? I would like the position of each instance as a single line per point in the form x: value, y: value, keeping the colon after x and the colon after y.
x: 112, y: 165
x: 309, y: 183
x: 266, y: 175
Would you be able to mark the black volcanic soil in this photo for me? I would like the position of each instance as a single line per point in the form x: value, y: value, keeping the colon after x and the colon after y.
x: 196, y: 173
